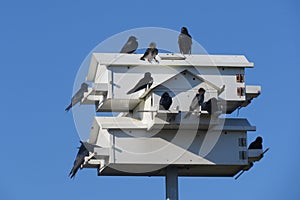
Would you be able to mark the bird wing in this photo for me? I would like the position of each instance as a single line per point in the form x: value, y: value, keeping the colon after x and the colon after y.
x: 78, y: 96
x: 180, y: 43
x: 255, y: 145
x: 184, y: 43
x: 134, y: 46
x: 147, y: 52
x: 155, y: 52
x: 195, y: 103
x: 166, y: 102
x: 77, y: 163
x: 79, y: 160
x: 129, y: 47
x: 141, y: 85
x: 169, y: 101
x: 149, y: 81
x: 189, y: 36
x: 189, y: 43
x: 125, y: 47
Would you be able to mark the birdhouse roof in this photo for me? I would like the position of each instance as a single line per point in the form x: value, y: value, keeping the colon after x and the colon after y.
x: 219, y: 89
x: 166, y: 59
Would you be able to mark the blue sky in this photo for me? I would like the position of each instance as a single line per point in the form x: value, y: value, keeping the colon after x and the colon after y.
x: 42, y: 44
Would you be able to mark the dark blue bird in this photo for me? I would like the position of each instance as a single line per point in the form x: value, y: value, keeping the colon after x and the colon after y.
x: 165, y: 101
x: 185, y: 41
x: 78, y: 96
x: 150, y: 53
x: 82, y: 152
x: 257, y: 144
x: 145, y: 82
x: 197, y: 101
x: 130, y: 46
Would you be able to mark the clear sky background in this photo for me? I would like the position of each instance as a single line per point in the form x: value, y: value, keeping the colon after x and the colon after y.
x: 42, y: 44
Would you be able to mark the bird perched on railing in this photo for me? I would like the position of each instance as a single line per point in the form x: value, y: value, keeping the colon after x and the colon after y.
x: 130, y: 46
x: 256, y: 144
x: 78, y: 96
x: 185, y: 41
x: 150, y: 53
x: 79, y: 160
x: 196, y: 102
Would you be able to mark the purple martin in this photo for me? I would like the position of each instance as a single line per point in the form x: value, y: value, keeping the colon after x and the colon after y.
x: 165, y: 101
x: 185, y: 41
x: 211, y: 106
x: 145, y: 82
x: 78, y: 96
x: 150, y: 53
x: 79, y: 160
x: 130, y: 46
x: 257, y: 144
x: 196, y: 102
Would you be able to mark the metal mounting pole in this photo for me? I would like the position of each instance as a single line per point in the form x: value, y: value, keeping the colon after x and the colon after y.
x: 171, y: 183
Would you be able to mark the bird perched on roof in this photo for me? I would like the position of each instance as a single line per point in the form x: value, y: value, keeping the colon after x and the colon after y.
x: 79, y: 160
x: 130, y: 46
x: 165, y: 101
x: 185, y: 41
x: 196, y: 102
x: 145, y: 82
x: 256, y: 144
x: 78, y: 96
x: 150, y: 53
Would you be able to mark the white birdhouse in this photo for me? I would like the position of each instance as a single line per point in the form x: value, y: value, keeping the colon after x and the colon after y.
x: 145, y: 139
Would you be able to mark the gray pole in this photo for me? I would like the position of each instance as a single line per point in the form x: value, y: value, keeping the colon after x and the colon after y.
x: 171, y: 183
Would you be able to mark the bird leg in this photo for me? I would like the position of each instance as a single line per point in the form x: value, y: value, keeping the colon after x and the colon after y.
x: 155, y: 59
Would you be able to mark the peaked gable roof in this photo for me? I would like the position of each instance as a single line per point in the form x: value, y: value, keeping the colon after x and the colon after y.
x: 219, y: 89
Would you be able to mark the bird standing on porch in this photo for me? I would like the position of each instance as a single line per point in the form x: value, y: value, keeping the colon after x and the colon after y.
x: 165, y: 101
x: 196, y: 102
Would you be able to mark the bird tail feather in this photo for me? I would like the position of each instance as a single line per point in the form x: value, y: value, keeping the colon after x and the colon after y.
x: 69, y: 107
x: 71, y: 174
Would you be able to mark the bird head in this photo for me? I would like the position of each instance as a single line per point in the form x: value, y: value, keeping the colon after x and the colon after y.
x: 201, y: 90
x: 152, y: 45
x: 259, y: 139
x: 132, y: 38
x: 184, y: 30
x: 147, y: 74
x: 84, y: 85
x: 165, y: 94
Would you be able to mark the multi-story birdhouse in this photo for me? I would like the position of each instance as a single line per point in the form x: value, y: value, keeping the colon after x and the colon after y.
x: 144, y: 138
